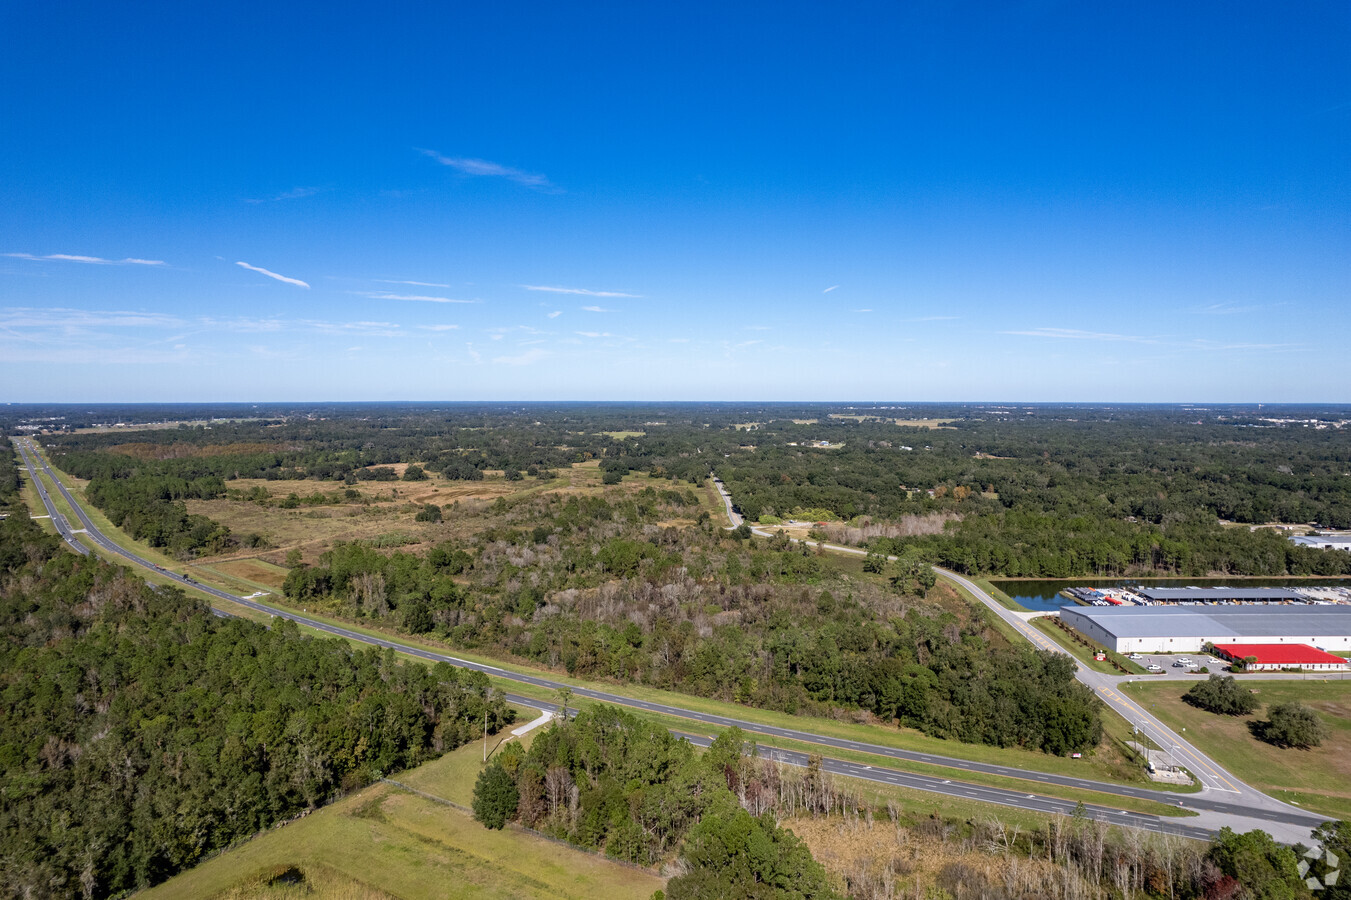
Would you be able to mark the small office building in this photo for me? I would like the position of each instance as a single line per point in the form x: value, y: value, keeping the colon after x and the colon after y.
x: 1274, y: 657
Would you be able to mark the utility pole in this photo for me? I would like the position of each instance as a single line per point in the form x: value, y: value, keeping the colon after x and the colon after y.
x: 485, y: 735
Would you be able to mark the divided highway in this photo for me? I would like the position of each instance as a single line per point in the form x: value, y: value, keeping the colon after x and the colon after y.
x: 1216, y: 811
x: 62, y: 526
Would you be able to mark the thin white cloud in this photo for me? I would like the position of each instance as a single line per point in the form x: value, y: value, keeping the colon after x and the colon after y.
x: 413, y: 283
x: 483, y: 167
x: 90, y: 260
x: 933, y: 319
x: 829, y: 289
x: 757, y: 328
x: 583, y: 291
x: 474, y: 354
x: 594, y: 334
x: 438, y: 327
x: 596, y: 309
x: 367, y: 329
x: 261, y: 271
x: 423, y: 298
x: 1227, y: 309
x: 243, y: 325
x: 533, y: 355
x: 57, y: 317
x: 863, y: 310
x: 296, y: 193
x: 1075, y: 334
x: 555, y: 314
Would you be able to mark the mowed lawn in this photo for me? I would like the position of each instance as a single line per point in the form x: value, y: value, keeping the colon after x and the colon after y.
x: 386, y: 841
x: 1318, y: 779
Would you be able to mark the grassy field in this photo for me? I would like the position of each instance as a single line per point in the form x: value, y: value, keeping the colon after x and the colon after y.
x: 1318, y: 779
x: 386, y: 842
x: 1081, y: 653
x: 1004, y: 599
x: 386, y: 510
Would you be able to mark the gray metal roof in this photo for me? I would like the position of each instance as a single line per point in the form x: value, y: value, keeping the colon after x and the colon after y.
x: 1320, y: 540
x: 1233, y: 622
x: 1211, y: 594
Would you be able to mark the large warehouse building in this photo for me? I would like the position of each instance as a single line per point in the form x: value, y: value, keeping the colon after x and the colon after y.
x: 1185, y: 629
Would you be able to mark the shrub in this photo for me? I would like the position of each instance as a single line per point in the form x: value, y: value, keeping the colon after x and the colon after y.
x: 1291, y: 725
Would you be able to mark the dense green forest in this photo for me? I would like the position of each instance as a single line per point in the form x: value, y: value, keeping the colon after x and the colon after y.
x: 142, y: 733
x: 596, y: 586
x: 609, y: 780
x: 1026, y: 491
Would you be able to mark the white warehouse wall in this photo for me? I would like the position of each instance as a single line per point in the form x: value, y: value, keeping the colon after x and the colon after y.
x: 1173, y: 644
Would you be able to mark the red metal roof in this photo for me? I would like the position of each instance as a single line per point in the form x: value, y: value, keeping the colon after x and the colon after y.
x: 1280, y: 654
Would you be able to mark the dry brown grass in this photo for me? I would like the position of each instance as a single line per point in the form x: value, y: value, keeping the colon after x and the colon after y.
x: 253, y: 569
x: 385, y: 508
x: 875, y: 859
x: 183, y: 450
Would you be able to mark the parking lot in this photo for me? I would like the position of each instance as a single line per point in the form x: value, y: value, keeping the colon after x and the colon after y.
x: 1179, y: 663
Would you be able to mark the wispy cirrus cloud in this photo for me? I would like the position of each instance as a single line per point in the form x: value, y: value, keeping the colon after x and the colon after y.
x: 296, y: 193
x: 555, y: 314
x: 829, y: 289
x: 422, y: 298
x: 57, y: 317
x: 1075, y: 334
x: 413, y: 283
x: 270, y: 274
x: 1168, y: 342
x: 599, y: 309
x: 89, y: 260
x: 482, y: 167
x: 438, y: 327
x: 595, y: 334
x: 583, y: 291
x: 534, y: 354
x: 1229, y: 309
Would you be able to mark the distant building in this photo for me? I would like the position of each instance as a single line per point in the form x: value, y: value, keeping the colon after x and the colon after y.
x: 1323, y: 541
x: 1185, y: 629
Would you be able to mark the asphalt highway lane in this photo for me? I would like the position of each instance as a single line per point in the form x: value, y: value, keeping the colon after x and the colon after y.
x: 62, y: 526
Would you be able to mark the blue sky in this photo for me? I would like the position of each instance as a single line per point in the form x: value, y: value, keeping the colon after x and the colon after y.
x: 939, y: 201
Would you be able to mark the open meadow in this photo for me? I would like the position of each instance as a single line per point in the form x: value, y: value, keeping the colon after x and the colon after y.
x: 384, y: 841
x: 1318, y: 779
